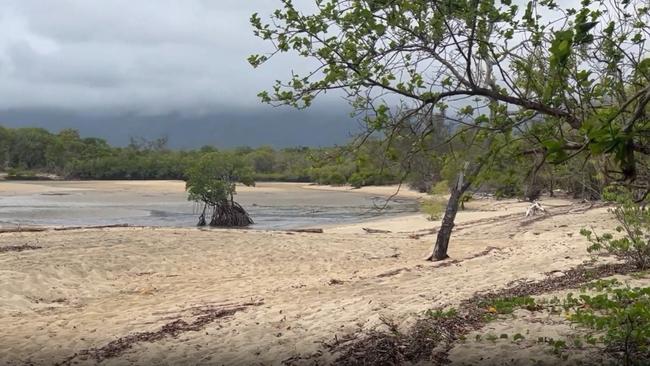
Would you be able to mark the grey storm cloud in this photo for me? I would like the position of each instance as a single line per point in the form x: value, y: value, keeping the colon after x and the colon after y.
x: 147, y: 56
x: 123, y: 68
x: 143, y: 56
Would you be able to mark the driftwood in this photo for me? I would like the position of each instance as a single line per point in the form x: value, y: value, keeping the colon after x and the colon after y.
x: 18, y: 248
x: 66, y: 228
x: 534, y: 209
x: 22, y: 230
x: 312, y: 231
x: 376, y: 231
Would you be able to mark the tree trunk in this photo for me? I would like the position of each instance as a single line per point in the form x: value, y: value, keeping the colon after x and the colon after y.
x: 202, y: 221
x: 464, y: 181
x: 442, y: 241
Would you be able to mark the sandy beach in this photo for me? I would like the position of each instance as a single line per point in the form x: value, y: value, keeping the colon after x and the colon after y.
x: 202, y: 297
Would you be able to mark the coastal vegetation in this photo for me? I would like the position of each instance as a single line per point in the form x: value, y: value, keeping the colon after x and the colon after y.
x: 524, y: 91
x: 27, y: 152
x: 212, y: 180
x: 471, y: 101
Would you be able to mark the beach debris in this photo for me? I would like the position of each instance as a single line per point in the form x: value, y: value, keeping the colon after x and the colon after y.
x: 535, y: 208
x: 18, y: 248
x: 431, y: 338
x: 311, y: 231
x: 67, y: 228
x: 393, y: 272
x: 376, y: 231
x: 22, y: 229
x: 334, y: 282
x: 36, y: 229
x: 173, y: 329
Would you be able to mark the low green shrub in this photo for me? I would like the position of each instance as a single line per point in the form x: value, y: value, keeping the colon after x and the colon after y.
x: 622, y: 316
x: 509, y: 304
x: 632, y: 241
x: 433, y: 208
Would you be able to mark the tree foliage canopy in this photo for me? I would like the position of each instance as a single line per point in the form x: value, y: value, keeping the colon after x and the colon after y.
x: 565, y: 80
x: 214, y: 176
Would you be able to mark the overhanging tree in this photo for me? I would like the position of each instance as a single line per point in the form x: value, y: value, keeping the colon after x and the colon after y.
x: 567, y: 81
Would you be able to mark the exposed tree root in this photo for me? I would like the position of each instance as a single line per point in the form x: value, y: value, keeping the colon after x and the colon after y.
x: 227, y: 214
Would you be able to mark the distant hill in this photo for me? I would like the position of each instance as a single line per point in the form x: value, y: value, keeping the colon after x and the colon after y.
x: 281, y: 127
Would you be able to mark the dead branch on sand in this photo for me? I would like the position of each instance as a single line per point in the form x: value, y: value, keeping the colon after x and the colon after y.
x: 535, y: 208
x: 376, y: 231
x: 18, y: 248
x: 22, y: 230
x: 311, y: 231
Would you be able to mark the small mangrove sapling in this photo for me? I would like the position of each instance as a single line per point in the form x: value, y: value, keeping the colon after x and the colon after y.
x: 212, y: 181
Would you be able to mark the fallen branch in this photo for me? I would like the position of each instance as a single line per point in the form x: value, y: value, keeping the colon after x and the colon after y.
x: 535, y: 208
x: 67, y: 228
x: 22, y: 230
x: 376, y: 231
x: 312, y: 231
x: 18, y: 248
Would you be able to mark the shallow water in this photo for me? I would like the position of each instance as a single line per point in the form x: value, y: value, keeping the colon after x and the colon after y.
x: 289, y: 207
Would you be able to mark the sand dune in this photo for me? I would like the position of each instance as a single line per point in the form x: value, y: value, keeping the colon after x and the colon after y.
x: 85, y: 289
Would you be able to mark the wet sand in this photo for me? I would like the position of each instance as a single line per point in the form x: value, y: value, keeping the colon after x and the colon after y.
x: 202, y: 297
x: 164, y: 203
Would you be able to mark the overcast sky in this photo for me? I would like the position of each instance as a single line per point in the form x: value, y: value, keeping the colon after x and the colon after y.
x: 123, y: 62
x: 145, y: 56
x: 149, y: 56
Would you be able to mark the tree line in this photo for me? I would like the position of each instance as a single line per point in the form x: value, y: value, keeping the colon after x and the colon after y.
x: 403, y: 157
x: 26, y: 152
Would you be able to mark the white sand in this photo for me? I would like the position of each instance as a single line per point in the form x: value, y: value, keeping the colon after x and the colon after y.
x: 86, y: 288
x: 538, y: 329
x: 399, y: 191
